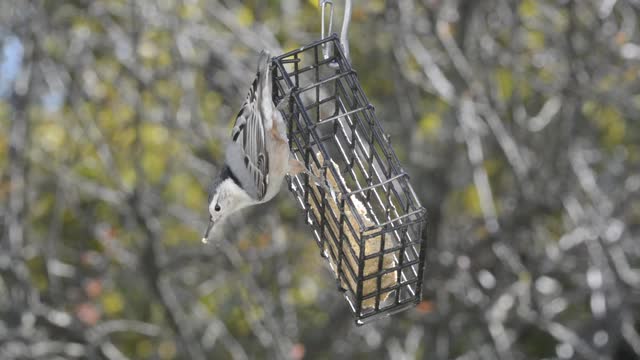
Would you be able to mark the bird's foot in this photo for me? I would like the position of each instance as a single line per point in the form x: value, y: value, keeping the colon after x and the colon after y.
x: 283, y: 104
x: 297, y: 167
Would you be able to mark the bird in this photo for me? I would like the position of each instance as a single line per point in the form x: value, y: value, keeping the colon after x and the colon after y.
x: 257, y: 157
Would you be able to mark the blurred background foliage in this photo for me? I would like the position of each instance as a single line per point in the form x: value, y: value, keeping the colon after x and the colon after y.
x: 517, y: 120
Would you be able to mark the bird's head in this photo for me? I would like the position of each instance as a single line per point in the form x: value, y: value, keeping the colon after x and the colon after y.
x: 226, y: 198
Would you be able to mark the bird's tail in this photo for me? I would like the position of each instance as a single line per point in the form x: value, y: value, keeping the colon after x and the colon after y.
x: 264, y: 80
x: 264, y: 62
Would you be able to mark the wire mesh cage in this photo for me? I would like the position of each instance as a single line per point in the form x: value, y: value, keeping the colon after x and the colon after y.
x: 366, y: 219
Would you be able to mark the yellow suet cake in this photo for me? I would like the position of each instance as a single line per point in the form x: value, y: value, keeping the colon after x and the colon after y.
x: 352, y: 246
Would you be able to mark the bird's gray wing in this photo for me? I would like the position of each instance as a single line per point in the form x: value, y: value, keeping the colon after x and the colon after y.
x: 249, y: 132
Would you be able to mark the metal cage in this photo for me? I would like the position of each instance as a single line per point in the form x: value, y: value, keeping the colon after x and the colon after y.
x: 370, y: 227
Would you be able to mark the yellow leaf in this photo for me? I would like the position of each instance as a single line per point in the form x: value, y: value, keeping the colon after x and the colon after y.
x: 154, y: 134
x: 144, y: 349
x: 51, y: 136
x: 528, y: 8
x: 612, y: 124
x: 524, y: 276
x: 245, y: 16
x: 589, y: 107
x: 112, y: 303
x: 377, y: 6
x: 128, y: 177
x: 190, y: 11
x: 535, y: 39
x: 209, y: 302
x: 154, y: 165
x: 186, y: 190
x: 430, y: 124
x: 472, y: 201
x: 147, y: 49
x: 505, y: 83
x: 210, y: 103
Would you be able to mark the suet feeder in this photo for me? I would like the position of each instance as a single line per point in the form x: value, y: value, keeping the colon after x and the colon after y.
x: 370, y: 228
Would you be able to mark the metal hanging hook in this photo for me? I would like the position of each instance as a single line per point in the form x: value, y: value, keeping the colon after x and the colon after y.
x: 324, y: 4
x: 344, y: 39
x: 346, y: 20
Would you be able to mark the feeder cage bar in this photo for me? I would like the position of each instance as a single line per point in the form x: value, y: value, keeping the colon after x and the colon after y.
x: 366, y: 219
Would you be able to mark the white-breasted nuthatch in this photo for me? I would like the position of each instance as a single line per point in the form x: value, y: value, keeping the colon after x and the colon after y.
x: 257, y: 157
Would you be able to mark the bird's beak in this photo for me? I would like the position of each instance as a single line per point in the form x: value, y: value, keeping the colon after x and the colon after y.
x: 206, y: 233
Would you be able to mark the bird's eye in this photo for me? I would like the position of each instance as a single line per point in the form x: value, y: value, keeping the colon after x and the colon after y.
x: 217, y: 208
